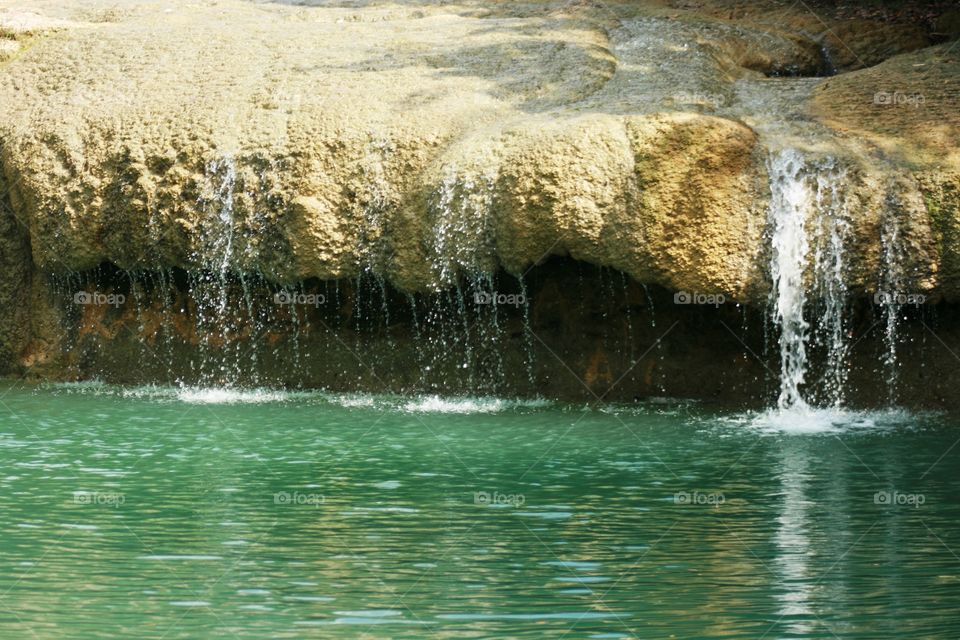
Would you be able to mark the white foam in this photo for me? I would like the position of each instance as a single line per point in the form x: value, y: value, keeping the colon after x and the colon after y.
x: 437, y: 404
x: 813, y: 421
x: 232, y: 395
x: 94, y: 384
x: 194, y: 395
x: 352, y: 401
x: 188, y: 394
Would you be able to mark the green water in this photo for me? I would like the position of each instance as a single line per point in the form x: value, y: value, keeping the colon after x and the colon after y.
x: 154, y: 513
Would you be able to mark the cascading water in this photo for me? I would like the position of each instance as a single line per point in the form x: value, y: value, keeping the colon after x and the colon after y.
x: 464, y: 261
x: 808, y: 212
x: 789, y: 202
x: 462, y: 234
x: 830, y: 281
x: 210, y: 286
x: 892, y: 280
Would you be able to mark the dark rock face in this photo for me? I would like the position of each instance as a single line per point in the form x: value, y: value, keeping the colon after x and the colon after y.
x: 569, y: 330
x: 17, y: 269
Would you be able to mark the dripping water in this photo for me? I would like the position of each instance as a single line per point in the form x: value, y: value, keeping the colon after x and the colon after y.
x: 295, y: 340
x: 830, y: 277
x: 527, y: 332
x: 628, y: 316
x: 461, y: 311
x: 166, y: 294
x: 385, y: 311
x: 137, y: 293
x: 892, y: 279
x: 415, y: 323
x: 661, y: 387
x: 254, y: 337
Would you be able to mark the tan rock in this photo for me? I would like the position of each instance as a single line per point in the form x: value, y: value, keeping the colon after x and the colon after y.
x: 429, y: 142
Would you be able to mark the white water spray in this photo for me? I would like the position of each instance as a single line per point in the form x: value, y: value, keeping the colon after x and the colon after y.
x: 808, y: 213
x: 892, y: 281
x: 830, y: 279
x: 790, y: 198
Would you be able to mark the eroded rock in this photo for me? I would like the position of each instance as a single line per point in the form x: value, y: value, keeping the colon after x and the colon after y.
x: 427, y: 143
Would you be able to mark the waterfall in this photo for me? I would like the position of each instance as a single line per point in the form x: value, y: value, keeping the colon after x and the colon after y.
x: 789, y: 202
x: 465, y: 264
x: 830, y: 280
x: 808, y: 213
x: 227, y: 169
x: 462, y: 232
x: 210, y: 286
x: 892, y: 280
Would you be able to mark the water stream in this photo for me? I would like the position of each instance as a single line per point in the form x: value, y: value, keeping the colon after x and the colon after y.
x: 789, y: 207
x: 809, y: 228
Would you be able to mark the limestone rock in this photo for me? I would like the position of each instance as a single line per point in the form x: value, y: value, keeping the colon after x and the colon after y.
x: 426, y: 142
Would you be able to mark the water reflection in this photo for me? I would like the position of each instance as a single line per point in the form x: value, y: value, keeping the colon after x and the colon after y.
x: 151, y: 515
x: 793, y: 541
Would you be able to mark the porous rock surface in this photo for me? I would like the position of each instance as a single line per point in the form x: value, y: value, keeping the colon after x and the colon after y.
x: 427, y: 141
